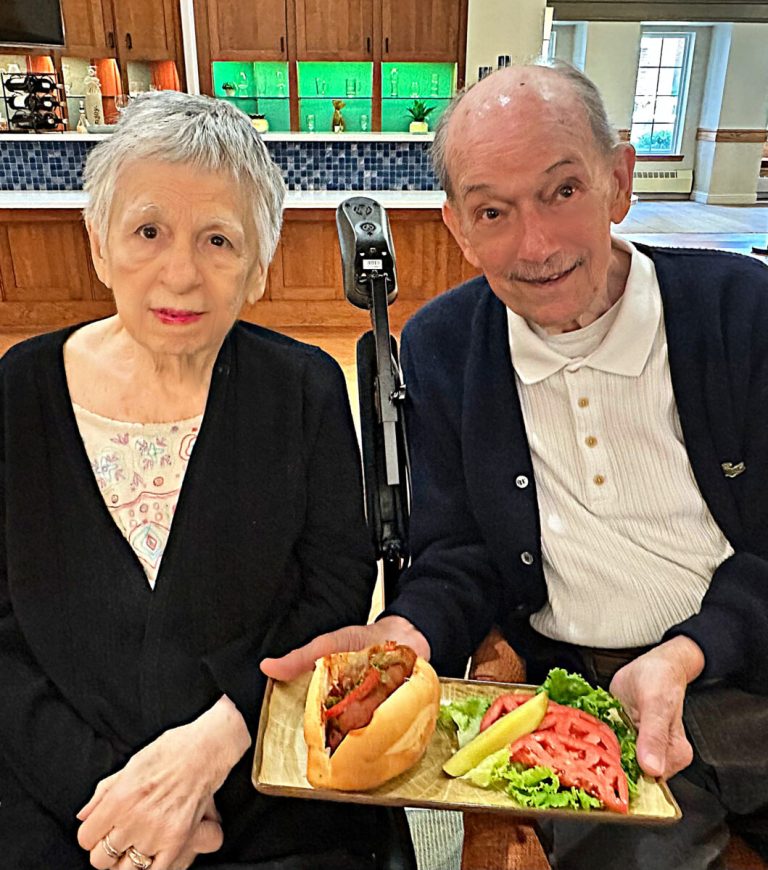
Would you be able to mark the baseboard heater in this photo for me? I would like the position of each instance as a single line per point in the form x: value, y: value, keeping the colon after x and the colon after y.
x: 662, y: 181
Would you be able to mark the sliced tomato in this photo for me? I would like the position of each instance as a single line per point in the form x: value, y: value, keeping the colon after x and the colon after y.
x: 577, y: 762
x: 364, y: 688
x: 502, y: 705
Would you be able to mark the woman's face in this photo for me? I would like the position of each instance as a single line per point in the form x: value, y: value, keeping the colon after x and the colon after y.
x: 180, y: 256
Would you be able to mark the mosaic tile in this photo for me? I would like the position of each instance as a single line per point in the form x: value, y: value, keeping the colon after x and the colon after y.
x: 58, y: 165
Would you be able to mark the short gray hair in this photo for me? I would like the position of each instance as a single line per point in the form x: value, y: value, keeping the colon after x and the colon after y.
x: 200, y: 131
x: 602, y: 129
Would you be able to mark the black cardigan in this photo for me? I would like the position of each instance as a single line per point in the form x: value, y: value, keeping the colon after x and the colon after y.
x: 471, y: 524
x: 268, y: 548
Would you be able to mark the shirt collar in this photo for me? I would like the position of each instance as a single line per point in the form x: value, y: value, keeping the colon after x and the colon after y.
x: 627, y: 344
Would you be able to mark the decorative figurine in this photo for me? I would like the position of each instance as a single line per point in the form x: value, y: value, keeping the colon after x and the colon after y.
x: 338, y: 125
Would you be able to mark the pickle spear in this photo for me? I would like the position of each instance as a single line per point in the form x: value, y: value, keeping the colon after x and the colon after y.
x: 517, y: 723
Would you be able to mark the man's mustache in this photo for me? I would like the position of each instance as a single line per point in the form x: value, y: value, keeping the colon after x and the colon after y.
x: 541, y: 273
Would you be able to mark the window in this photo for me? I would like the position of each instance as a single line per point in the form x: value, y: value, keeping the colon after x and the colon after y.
x: 662, y: 79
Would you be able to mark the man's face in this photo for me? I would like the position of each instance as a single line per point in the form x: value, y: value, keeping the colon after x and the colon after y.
x: 534, y: 201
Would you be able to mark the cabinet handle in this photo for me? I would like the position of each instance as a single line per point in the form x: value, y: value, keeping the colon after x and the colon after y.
x: 282, y: 45
x: 386, y: 45
x: 128, y: 40
x: 110, y: 40
x: 367, y: 44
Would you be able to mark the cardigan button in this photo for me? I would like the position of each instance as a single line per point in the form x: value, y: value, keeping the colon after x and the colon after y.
x: 526, y: 558
x: 521, y: 481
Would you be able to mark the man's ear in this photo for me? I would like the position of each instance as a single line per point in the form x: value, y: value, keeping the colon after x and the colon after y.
x: 257, y: 282
x: 98, y: 255
x: 622, y: 176
x: 452, y: 220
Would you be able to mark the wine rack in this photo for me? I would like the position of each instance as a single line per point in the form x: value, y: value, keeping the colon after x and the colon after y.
x: 32, y: 102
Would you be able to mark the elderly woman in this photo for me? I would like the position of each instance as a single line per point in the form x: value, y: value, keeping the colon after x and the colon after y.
x: 181, y: 497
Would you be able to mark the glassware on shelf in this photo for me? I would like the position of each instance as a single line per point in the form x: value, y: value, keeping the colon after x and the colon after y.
x: 122, y: 101
x: 435, y: 85
x: 364, y: 123
x: 414, y: 89
x: 310, y: 123
x: 393, y: 82
x: 351, y: 87
x: 280, y: 83
x: 82, y: 123
x: 242, y: 85
x: 320, y: 87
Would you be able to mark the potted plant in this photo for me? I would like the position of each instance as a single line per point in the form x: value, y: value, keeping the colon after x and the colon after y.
x: 419, y: 113
x: 229, y: 88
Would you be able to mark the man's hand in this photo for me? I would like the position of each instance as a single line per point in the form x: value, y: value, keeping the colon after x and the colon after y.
x: 353, y: 637
x: 161, y: 802
x: 652, y: 689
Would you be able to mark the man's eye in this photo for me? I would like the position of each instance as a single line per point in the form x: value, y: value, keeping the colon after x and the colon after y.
x: 566, y: 191
x: 219, y: 241
x: 489, y: 214
x: 148, y: 232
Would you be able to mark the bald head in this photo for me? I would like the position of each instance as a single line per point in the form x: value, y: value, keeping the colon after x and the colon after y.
x: 559, y: 92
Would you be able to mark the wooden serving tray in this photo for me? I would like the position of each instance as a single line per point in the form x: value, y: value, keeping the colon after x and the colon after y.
x: 279, y: 766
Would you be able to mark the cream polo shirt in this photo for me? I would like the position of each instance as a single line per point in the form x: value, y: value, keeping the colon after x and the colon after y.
x: 628, y: 544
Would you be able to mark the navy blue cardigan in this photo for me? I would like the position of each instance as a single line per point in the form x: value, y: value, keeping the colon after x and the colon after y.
x: 471, y: 524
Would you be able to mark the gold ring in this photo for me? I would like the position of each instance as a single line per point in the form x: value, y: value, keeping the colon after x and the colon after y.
x: 139, y: 859
x: 110, y: 849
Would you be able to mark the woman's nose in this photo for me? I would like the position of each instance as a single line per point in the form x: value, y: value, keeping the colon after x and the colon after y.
x: 180, y: 268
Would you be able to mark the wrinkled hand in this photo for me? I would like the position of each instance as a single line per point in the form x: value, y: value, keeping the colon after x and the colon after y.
x: 161, y: 802
x: 652, y: 689
x: 353, y: 637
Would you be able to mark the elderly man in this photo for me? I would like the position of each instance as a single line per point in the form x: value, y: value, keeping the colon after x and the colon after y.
x: 589, y: 436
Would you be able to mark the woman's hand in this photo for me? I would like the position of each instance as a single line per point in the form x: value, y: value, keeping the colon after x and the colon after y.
x: 652, y: 689
x: 161, y: 802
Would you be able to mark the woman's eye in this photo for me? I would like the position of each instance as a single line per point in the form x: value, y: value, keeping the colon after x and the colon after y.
x: 219, y: 241
x: 566, y: 191
x: 489, y: 214
x: 148, y: 232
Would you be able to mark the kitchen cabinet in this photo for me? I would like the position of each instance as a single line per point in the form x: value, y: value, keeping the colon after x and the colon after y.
x: 334, y: 29
x: 47, y: 279
x: 146, y: 29
x: 423, y: 30
x: 88, y: 28
x: 46, y: 275
x: 240, y: 30
x: 130, y: 30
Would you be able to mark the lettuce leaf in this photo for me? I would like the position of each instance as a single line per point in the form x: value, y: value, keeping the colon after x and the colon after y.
x: 574, y: 691
x: 537, y: 787
x: 464, y: 716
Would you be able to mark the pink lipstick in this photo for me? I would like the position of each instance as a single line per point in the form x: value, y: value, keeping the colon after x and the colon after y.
x: 176, y: 316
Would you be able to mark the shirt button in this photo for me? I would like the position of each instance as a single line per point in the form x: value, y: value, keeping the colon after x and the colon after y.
x: 526, y: 558
x: 521, y: 481
x: 599, y: 479
x: 590, y: 441
x: 583, y: 402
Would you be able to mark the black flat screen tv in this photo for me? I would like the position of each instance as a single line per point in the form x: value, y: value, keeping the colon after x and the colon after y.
x: 31, y: 22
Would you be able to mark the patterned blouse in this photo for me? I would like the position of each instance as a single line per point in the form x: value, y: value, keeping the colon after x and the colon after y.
x: 139, y: 468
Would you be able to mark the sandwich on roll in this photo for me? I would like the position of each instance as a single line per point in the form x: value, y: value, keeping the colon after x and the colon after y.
x: 369, y: 716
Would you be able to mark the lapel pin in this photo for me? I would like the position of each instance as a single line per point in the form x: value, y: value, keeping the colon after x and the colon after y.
x: 733, y: 470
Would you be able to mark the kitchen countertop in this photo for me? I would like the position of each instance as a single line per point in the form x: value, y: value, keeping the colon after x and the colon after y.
x: 417, y: 199
x: 71, y: 136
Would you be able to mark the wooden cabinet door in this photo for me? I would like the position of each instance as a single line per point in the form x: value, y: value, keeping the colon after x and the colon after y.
x: 421, y: 30
x: 248, y: 29
x: 334, y: 29
x: 145, y: 29
x: 88, y: 28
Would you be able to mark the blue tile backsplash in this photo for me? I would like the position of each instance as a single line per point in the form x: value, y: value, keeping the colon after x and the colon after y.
x: 335, y: 165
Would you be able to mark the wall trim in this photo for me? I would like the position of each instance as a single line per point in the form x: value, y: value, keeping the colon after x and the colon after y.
x: 723, y: 134
x: 707, y: 198
x: 662, y: 158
